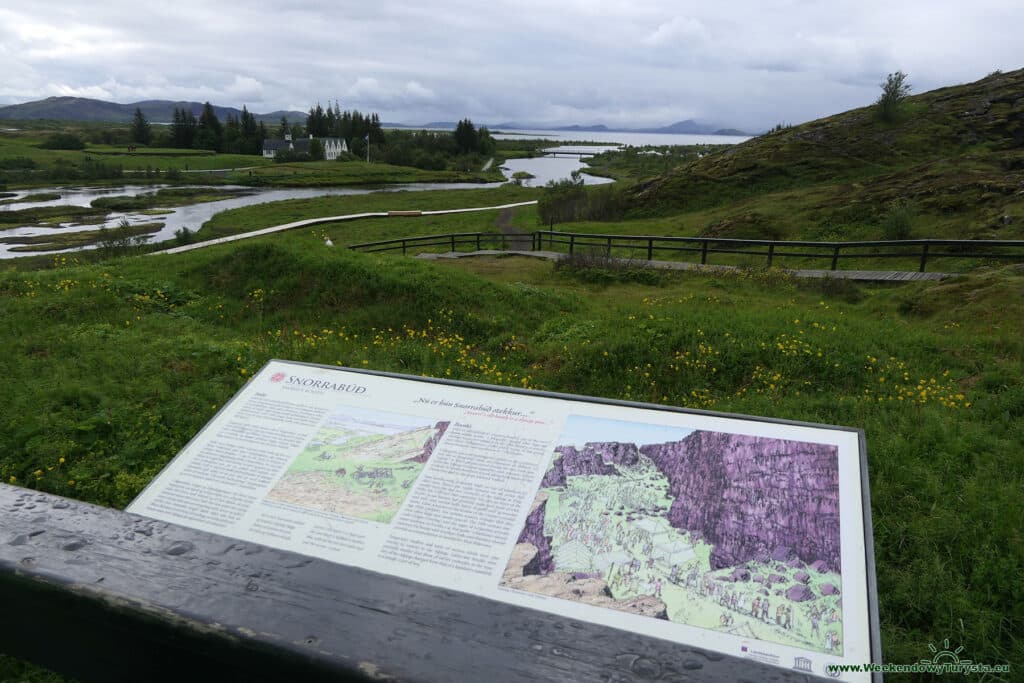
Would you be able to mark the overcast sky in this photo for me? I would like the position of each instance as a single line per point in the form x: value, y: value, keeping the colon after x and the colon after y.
x: 745, y: 63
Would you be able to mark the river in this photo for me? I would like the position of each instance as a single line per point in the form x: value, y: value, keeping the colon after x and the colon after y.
x: 544, y: 169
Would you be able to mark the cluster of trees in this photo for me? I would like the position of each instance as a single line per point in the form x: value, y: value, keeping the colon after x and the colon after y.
x: 464, y: 149
x: 332, y: 122
x: 469, y: 140
x: 239, y: 135
x: 438, y: 150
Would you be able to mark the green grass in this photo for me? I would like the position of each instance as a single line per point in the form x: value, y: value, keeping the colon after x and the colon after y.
x: 112, y: 367
x: 954, y: 154
x: 327, y: 173
x: 251, y: 218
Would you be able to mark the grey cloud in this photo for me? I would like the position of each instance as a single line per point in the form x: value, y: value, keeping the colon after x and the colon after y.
x: 747, y: 64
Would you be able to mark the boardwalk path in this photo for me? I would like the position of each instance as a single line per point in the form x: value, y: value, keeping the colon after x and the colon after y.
x: 519, y: 243
x: 330, y: 219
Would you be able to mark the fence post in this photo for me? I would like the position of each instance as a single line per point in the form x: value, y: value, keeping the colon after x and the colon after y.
x: 478, y: 241
x: 704, y: 253
x: 771, y: 253
x: 572, y: 242
x: 609, y: 250
x: 924, y: 257
x: 835, y: 258
x: 650, y: 250
x: 403, y: 247
x: 453, y: 242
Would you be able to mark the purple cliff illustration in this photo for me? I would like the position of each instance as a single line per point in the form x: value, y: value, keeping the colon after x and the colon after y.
x: 735, y: 533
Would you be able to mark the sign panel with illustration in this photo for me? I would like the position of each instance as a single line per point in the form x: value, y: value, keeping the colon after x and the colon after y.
x: 742, y: 536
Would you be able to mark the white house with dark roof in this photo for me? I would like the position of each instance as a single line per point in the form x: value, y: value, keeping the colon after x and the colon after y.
x: 333, y: 147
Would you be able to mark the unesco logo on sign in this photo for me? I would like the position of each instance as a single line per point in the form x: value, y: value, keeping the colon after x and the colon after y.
x: 277, y: 377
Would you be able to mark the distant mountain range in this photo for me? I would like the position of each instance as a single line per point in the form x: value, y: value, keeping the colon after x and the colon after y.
x: 155, y: 111
x: 688, y: 127
x: 162, y: 111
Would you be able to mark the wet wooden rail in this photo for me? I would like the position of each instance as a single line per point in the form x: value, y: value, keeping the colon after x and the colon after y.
x: 103, y: 595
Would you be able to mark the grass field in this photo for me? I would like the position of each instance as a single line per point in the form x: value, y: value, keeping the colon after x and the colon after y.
x: 932, y: 372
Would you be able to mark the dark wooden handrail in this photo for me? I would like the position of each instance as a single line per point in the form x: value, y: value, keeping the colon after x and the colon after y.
x: 104, y: 595
x: 771, y: 250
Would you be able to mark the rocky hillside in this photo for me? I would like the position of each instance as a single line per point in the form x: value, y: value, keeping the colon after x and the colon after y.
x: 754, y: 498
x: 956, y: 153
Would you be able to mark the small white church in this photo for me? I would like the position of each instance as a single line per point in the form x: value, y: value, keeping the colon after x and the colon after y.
x: 333, y: 147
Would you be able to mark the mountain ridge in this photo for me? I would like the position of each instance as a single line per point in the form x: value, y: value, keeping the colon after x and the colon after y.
x: 64, y: 108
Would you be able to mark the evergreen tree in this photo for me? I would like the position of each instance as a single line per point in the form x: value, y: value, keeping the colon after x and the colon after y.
x: 283, y: 129
x: 209, y: 132
x: 465, y: 136
x: 140, y: 131
x: 231, y: 140
x: 251, y: 141
x: 183, y: 128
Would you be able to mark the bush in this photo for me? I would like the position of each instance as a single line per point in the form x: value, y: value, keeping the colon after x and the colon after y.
x: 897, y: 222
x: 119, y: 240
x: 184, y: 236
x: 602, y: 270
x: 17, y: 164
x: 63, y: 141
x: 894, y: 91
x: 569, y: 200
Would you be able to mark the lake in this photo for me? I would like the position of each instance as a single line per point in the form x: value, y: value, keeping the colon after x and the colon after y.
x: 616, y: 139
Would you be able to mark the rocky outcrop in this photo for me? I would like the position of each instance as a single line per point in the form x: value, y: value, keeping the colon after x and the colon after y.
x: 431, y: 444
x: 799, y: 593
x: 595, y: 458
x: 590, y: 590
x: 533, y: 533
x: 754, y: 498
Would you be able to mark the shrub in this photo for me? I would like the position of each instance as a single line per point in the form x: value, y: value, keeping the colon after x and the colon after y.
x: 602, y: 270
x: 184, y: 235
x: 17, y: 164
x: 894, y: 91
x: 63, y: 141
x: 897, y: 222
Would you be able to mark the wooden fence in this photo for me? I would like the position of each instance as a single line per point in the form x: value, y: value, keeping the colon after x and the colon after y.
x: 651, y: 247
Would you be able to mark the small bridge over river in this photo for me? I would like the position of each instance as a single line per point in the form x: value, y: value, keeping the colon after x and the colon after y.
x: 564, y: 153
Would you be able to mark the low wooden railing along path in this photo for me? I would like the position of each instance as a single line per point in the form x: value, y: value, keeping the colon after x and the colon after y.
x: 556, y: 244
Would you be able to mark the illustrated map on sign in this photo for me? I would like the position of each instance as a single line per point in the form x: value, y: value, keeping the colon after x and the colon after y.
x: 733, y: 533
x: 360, y: 464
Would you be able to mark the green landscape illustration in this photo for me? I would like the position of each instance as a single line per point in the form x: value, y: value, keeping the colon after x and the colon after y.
x: 360, y: 464
x: 693, y: 530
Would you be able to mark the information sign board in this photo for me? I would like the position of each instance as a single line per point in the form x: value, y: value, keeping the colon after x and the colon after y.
x: 744, y: 536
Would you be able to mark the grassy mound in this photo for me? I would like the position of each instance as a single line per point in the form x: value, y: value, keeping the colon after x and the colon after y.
x: 111, y: 368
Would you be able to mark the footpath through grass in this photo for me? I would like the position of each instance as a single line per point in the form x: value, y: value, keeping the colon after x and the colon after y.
x: 110, y: 368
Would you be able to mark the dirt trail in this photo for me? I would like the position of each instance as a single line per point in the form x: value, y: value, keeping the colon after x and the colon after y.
x: 517, y: 239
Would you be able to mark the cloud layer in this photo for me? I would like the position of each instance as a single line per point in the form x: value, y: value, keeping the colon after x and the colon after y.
x: 747, y: 64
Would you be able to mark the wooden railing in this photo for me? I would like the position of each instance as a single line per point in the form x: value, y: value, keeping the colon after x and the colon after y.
x: 772, y: 250
x: 649, y: 247
x: 453, y: 240
x: 103, y: 595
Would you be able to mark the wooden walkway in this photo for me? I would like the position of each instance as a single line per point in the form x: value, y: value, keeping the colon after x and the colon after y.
x: 857, y: 275
x: 330, y: 219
